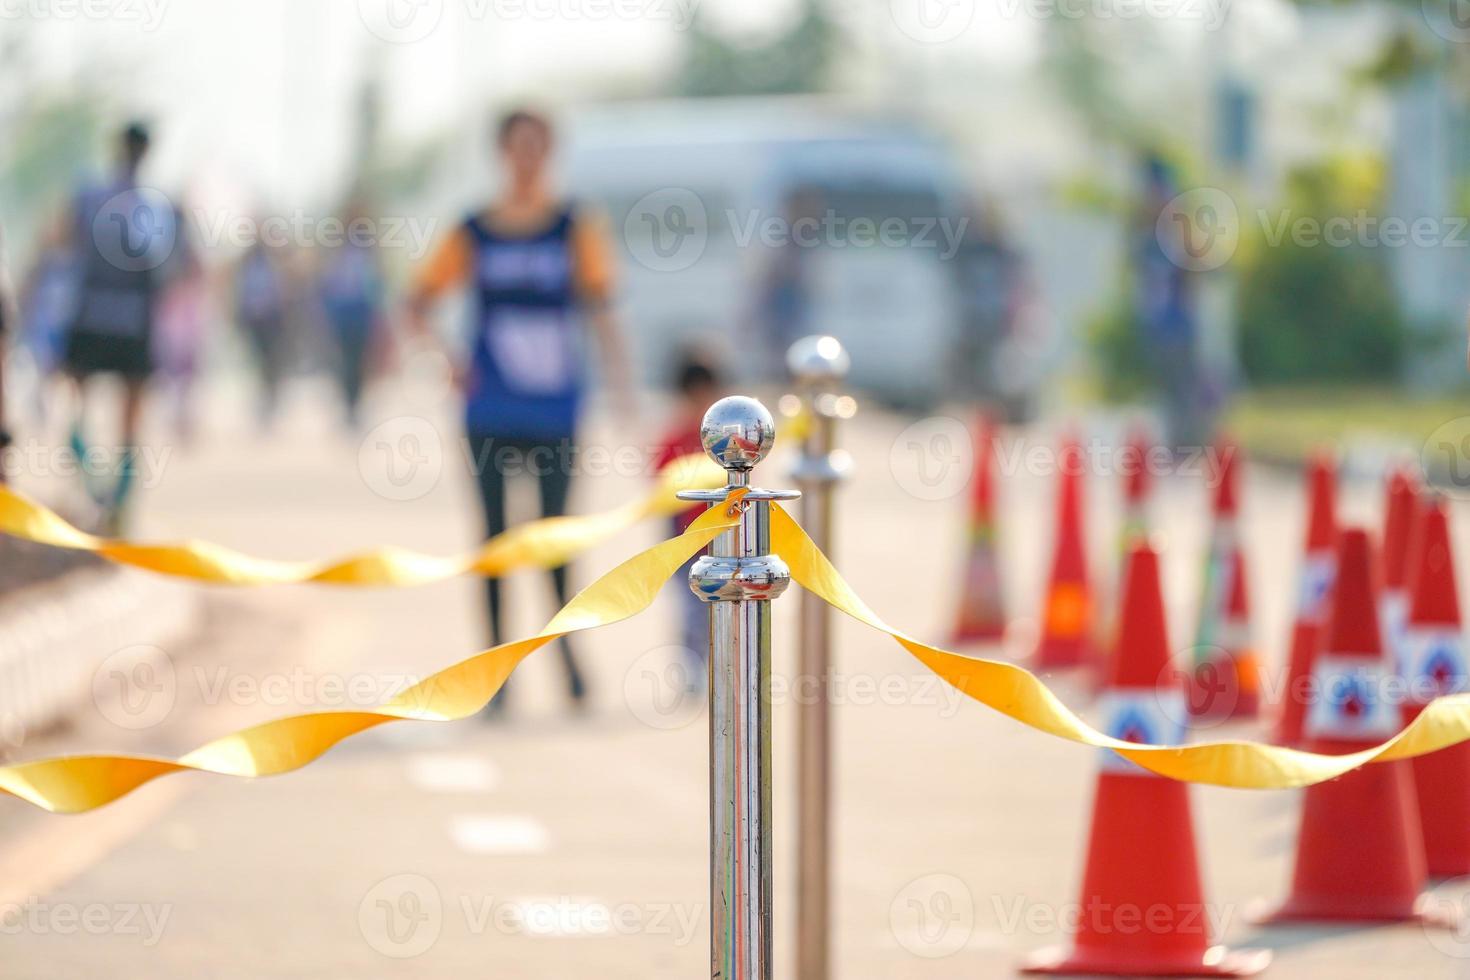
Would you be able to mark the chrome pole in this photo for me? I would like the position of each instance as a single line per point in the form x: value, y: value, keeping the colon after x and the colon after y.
x: 817, y: 365
x: 738, y: 578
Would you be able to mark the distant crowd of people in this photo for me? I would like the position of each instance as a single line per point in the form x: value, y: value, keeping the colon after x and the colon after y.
x: 116, y: 287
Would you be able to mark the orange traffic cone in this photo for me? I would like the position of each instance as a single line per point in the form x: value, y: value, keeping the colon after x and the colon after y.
x: 1318, y: 570
x: 1141, y: 860
x: 982, y: 611
x: 1436, y: 665
x: 1360, y: 853
x: 1226, y: 676
x: 1136, y: 523
x: 1066, y: 619
x: 1401, y: 511
x: 1138, y: 487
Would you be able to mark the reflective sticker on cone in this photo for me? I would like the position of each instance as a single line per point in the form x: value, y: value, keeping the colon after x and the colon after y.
x: 1436, y: 662
x: 1350, y: 699
x: 1144, y: 716
x: 1319, y: 572
x: 1393, y: 613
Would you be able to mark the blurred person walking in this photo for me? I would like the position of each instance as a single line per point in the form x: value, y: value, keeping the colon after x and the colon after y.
x: 539, y: 268
x: 785, y: 297
x: 48, y: 298
x: 350, y: 290
x: 698, y: 385
x: 183, y: 314
x: 990, y: 277
x: 1167, y: 310
x: 262, y: 307
x: 8, y: 313
x: 122, y: 235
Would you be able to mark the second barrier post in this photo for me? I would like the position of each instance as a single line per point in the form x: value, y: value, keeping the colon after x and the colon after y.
x: 739, y: 578
x: 817, y: 365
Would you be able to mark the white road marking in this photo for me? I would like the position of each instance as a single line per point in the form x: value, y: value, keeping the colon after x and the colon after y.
x: 482, y: 834
x: 448, y: 772
x: 562, y: 916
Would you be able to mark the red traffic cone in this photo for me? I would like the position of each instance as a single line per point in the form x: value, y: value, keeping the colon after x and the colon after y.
x: 1133, y: 463
x: 1360, y: 853
x: 1141, y: 860
x: 1226, y: 676
x: 982, y: 610
x: 1318, y: 570
x: 1436, y: 665
x: 1138, y: 487
x: 1066, y: 619
x: 1401, y: 511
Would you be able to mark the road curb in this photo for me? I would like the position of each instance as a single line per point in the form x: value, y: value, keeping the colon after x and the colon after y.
x: 55, y: 634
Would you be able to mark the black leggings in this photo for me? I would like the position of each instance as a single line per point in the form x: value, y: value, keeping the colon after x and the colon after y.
x: 494, y: 458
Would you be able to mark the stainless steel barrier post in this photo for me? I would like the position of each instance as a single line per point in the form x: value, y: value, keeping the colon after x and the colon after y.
x: 739, y: 578
x: 817, y: 365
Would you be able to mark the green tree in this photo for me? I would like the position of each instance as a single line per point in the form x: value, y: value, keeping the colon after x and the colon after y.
x: 798, y: 60
x: 1313, y: 311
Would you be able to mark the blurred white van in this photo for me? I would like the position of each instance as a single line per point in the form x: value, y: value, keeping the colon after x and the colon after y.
x: 752, y: 221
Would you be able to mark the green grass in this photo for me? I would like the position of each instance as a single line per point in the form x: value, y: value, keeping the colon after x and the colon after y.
x: 1290, y: 423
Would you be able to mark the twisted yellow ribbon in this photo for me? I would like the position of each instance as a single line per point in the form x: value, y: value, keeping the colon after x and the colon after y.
x: 75, y: 784
x: 1018, y: 693
x: 546, y: 543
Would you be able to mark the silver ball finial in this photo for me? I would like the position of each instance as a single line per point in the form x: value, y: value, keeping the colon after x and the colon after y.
x: 737, y: 432
x: 818, y: 359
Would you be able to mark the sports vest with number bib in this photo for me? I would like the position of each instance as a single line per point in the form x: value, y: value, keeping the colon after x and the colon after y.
x: 527, y: 376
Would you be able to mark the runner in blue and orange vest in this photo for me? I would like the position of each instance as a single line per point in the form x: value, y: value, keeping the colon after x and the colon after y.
x: 540, y: 273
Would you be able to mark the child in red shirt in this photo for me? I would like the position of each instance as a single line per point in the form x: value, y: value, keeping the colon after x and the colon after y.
x: 698, y: 386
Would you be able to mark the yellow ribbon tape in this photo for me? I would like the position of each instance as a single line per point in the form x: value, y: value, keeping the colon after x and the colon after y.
x: 78, y: 783
x: 546, y: 543
x: 74, y: 784
x: 1016, y: 692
